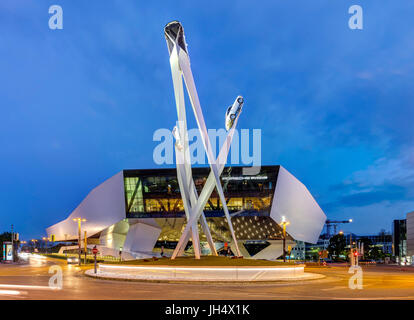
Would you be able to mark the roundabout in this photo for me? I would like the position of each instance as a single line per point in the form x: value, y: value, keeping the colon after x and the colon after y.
x: 209, y: 269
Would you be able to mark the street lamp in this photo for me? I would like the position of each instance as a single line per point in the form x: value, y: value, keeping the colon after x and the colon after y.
x: 45, y: 239
x: 79, y: 220
x: 284, y: 223
x: 22, y: 243
x: 351, y: 255
x: 34, y: 244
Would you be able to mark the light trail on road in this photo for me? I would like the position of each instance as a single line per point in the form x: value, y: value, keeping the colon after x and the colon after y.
x: 10, y: 292
x: 19, y: 286
x: 380, y: 282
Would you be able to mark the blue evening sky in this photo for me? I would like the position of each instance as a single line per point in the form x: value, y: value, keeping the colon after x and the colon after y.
x: 80, y: 104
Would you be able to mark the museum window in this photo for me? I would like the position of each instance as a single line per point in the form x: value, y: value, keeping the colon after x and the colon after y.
x: 133, y: 194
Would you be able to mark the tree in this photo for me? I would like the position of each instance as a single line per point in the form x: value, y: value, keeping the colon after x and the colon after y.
x: 5, y: 236
x: 376, y: 253
x: 337, y: 245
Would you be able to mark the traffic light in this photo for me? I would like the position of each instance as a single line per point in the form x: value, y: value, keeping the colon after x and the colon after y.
x: 356, y: 253
x: 52, y: 238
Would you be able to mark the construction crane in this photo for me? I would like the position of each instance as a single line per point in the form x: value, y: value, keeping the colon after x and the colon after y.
x: 334, y: 224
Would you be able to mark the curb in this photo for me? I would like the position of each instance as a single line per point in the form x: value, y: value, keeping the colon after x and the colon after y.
x: 316, y: 276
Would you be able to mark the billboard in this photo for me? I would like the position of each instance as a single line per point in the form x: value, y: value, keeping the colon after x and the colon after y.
x: 7, y: 251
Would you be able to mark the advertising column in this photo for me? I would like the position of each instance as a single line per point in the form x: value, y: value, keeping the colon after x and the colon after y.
x: 7, y: 251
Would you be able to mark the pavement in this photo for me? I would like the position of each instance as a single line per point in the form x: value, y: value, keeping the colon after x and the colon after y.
x: 31, y: 281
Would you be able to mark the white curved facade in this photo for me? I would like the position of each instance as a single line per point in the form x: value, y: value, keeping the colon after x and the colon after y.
x: 294, y: 201
x: 103, y: 207
x: 111, y: 220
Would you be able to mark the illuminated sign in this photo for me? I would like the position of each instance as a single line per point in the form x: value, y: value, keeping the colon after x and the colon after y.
x: 245, y: 178
x: 7, y: 251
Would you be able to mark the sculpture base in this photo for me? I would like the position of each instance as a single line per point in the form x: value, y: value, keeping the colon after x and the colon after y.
x: 202, y: 273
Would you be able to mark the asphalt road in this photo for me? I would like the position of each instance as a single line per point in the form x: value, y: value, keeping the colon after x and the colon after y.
x: 30, y: 281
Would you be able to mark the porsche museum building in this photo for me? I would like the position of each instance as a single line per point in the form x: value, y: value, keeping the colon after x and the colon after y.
x: 136, y: 211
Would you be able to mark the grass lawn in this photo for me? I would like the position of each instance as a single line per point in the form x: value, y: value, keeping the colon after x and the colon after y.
x: 89, y: 258
x: 204, y: 261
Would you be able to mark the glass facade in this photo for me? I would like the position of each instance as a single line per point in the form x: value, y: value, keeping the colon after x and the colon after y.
x: 399, y: 238
x: 156, y: 194
x: 133, y: 194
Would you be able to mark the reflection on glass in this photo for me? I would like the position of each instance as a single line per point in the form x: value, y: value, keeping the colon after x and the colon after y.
x: 156, y: 193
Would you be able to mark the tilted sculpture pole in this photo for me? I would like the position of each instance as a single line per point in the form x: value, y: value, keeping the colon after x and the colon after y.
x: 193, y: 196
x: 182, y: 152
x: 180, y: 68
x: 183, y: 160
x: 205, y: 194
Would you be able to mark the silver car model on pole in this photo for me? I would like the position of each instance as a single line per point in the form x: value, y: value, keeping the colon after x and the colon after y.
x: 233, y: 112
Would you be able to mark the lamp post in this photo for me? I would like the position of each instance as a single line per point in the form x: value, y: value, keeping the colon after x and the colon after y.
x: 34, y: 244
x: 351, y: 253
x: 85, y: 241
x: 22, y: 243
x: 79, y: 220
x: 46, y: 239
x: 284, y: 223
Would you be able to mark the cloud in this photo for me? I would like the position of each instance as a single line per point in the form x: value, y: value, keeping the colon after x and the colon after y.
x: 383, y: 194
x: 398, y: 171
x: 370, y: 219
x: 334, y: 105
x: 385, y: 183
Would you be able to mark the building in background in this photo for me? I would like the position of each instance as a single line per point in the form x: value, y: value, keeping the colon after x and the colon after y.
x: 312, y: 250
x: 136, y: 210
x: 410, y: 236
x: 298, y: 252
x: 399, y: 240
x: 383, y: 241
